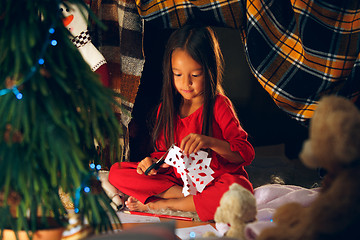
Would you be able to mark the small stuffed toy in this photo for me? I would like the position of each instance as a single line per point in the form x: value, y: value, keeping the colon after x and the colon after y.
x: 334, y: 145
x: 237, y: 208
x: 75, y: 20
x: 117, y: 197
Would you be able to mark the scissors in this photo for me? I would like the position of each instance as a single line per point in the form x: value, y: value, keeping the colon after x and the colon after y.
x: 159, y: 162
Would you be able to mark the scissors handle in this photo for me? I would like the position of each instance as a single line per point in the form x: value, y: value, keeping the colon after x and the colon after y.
x: 155, y: 165
x: 159, y: 162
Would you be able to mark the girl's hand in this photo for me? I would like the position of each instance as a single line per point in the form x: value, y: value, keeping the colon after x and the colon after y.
x: 194, y: 142
x: 146, y: 163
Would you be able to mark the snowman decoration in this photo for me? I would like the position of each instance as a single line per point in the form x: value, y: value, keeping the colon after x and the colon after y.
x: 75, y: 20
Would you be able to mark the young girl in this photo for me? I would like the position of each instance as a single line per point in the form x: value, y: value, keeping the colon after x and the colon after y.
x: 194, y: 114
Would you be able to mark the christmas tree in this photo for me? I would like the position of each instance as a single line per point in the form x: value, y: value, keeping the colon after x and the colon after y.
x: 53, y: 109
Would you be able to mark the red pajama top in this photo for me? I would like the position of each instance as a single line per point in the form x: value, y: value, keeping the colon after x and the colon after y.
x: 226, y: 126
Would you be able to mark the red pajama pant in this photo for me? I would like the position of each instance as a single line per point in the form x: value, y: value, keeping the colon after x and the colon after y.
x: 125, y: 178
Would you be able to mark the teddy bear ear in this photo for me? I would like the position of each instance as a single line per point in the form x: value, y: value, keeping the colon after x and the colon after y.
x: 334, y: 137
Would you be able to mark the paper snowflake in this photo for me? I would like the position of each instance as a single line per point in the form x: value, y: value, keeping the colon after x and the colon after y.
x: 195, y: 170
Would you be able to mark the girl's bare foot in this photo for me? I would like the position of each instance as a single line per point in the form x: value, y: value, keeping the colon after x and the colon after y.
x: 182, y: 204
x: 135, y: 205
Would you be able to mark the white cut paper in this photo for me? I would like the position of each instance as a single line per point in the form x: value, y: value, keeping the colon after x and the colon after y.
x: 195, y: 170
x: 130, y: 218
x: 195, y: 232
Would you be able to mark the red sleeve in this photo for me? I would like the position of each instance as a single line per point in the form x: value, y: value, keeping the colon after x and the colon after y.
x: 160, y: 142
x: 231, y: 129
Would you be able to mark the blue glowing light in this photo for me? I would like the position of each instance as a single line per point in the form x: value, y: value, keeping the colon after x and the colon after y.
x: 17, y: 93
x: 41, y: 61
x: 53, y: 42
x: 51, y: 30
x: 86, y: 189
x: 192, y: 234
x: 271, y: 220
x: 92, y: 165
x: 76, y: 210
x: 19, y: 96
x: 98, y: 167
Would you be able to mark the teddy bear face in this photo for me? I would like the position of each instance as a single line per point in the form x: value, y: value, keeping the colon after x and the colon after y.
x: 238, y: 205
x: 334, y: 137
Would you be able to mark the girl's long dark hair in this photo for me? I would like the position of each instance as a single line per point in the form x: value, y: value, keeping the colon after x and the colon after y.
x: 202, y: 45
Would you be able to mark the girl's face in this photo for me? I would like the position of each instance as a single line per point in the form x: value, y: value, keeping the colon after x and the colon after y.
x: 188, y: 75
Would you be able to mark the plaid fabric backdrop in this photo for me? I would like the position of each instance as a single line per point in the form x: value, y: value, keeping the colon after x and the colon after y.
x: 299, y: 50
x: 121, y: 45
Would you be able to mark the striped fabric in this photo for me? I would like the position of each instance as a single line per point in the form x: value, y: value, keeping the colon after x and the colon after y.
x: 121, y: 45
x: 299, y: 50
x: 175, y: 13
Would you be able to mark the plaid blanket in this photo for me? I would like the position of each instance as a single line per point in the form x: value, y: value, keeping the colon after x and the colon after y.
x: 121, y: 44
x: 299, y: 50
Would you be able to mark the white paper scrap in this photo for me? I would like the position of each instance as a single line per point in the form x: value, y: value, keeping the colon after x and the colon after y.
x: 132, y: 218
x: 195, y: 232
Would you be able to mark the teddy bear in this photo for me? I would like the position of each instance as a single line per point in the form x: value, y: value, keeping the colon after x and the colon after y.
x: 237, y: 208
x: 333, y: 145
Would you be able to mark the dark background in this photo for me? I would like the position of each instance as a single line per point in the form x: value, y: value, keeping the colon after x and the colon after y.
x: 265, y: 123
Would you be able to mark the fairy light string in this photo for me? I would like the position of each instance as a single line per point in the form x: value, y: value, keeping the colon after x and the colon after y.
x: 40, y: 61
x: 49, y: 40
x: 84, y: 186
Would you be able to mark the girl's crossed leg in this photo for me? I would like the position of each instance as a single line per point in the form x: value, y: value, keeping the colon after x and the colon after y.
x: 171, y: 198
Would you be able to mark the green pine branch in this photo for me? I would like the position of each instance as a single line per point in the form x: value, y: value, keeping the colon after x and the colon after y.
x: 47, y: 137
